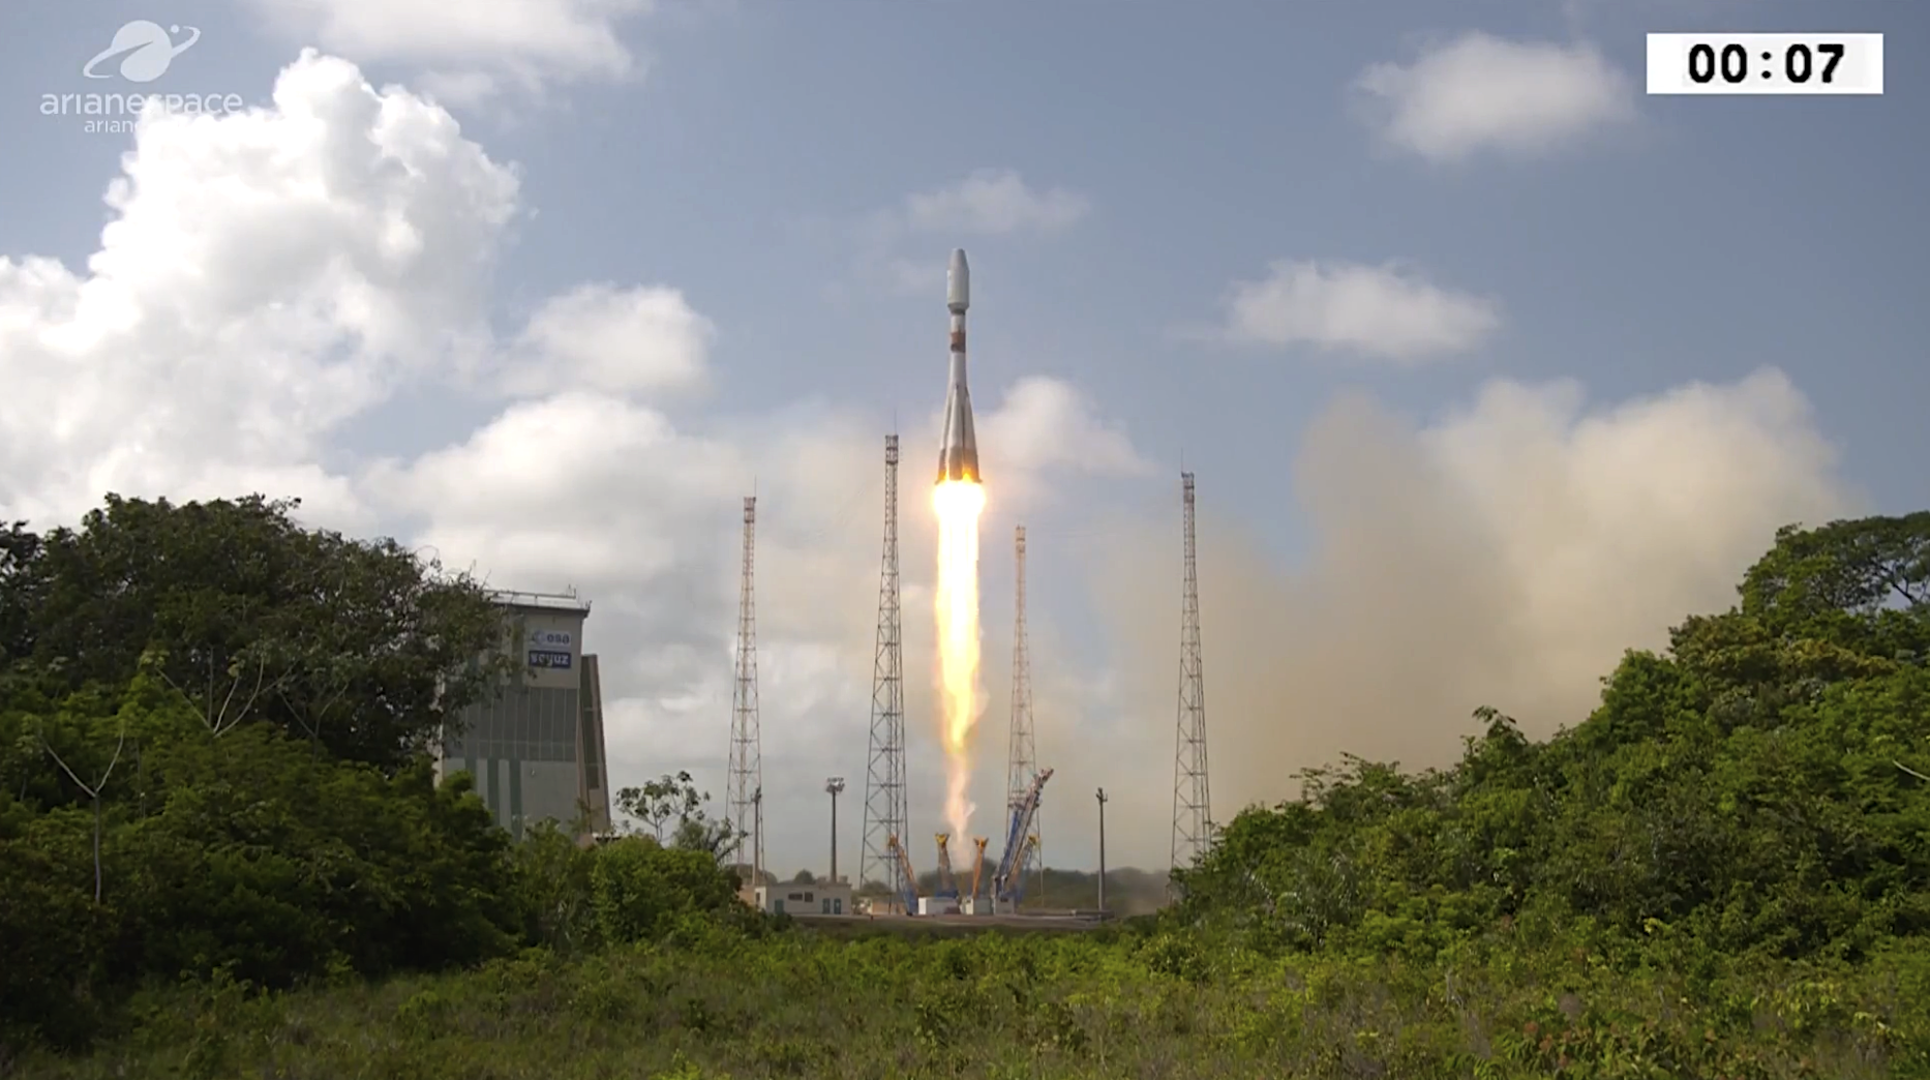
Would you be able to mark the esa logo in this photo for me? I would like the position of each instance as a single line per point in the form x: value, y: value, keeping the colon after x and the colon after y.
x: 550, y: 639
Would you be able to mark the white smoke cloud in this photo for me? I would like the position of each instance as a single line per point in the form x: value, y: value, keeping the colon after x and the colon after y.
x: 1504, y: 555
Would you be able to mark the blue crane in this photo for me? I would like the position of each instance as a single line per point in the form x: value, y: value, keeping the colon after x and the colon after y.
x: 1007, y: 885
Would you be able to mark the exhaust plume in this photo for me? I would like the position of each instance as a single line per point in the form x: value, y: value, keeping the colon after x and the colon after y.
x: 955, y: 603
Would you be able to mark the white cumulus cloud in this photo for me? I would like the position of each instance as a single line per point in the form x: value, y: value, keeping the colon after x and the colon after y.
x: 474, y: 49
x: 609, y: 338
x: 992, y: 202
x: 263, y: 277
x: 983, y: 203
x: 1479, y: 92
x: 1388, y: 312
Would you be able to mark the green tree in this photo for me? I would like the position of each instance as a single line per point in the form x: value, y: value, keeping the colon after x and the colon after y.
x: 553, y: 887
x: 1862, y: 584
x: 676, y: 798
x: 283, y: 865
x: 715, y: 839
x: 661, y: 801
x: 54, y: 980
x: 94, y: 787
x: 362, y: 648
x: 641, y: 890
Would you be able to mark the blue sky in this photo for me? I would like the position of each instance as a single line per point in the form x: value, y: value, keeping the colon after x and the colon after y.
x: 1391, y: 462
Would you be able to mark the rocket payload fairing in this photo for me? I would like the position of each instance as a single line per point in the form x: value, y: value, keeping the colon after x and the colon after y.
x: 958, y: 449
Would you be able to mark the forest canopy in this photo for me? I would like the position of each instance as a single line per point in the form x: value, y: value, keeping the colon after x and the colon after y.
x: 214, y: 725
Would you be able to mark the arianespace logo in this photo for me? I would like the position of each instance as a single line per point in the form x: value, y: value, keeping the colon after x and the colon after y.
x: 144, y: 51
x: 140, y: 52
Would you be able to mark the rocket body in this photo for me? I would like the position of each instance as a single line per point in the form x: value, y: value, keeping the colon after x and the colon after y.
x: 958, y: 447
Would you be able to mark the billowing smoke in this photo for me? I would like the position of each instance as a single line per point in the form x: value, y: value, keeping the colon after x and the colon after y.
x: 1506, y: 556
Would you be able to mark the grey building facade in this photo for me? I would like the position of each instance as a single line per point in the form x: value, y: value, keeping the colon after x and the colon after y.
x: 535, y: 743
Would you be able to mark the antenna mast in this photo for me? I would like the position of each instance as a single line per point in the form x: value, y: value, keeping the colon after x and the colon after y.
x: 1192, y: 802
x: 1022, y: 753
x: 746, y: 783
x: 885, y: 803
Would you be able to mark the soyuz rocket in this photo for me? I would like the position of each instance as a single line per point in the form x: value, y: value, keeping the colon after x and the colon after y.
x: 958, y: 448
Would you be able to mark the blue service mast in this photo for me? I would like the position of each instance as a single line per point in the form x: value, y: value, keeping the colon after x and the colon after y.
x: 1007, y: 883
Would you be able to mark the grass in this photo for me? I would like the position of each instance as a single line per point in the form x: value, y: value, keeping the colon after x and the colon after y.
x: 1005, y: 1007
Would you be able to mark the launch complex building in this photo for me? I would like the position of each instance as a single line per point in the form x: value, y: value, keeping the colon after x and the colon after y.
x: 535, y: 742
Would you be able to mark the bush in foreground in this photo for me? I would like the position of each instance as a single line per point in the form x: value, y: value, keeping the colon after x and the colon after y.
x: 719, y: 1004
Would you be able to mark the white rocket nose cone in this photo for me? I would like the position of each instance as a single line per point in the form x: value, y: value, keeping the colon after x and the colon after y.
x: 958, y: 282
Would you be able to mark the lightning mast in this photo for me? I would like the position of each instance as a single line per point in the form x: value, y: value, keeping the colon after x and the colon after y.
x: 885, y: 802
x: 746, y: 783
x: 1192, y: 803
x: 1022, y: 754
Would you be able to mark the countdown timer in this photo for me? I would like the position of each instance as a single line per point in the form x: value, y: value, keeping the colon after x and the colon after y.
x: 1765, y: 63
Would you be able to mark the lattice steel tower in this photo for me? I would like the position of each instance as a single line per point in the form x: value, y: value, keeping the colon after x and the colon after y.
x: 746, y: 784
x: 1192, y: 803
x: 885, y: 804
x: 1022, y: 750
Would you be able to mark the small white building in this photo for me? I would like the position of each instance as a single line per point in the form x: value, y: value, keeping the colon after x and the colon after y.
x: 800, y: 898
x: 975, y: 905
x: 937, y: 905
